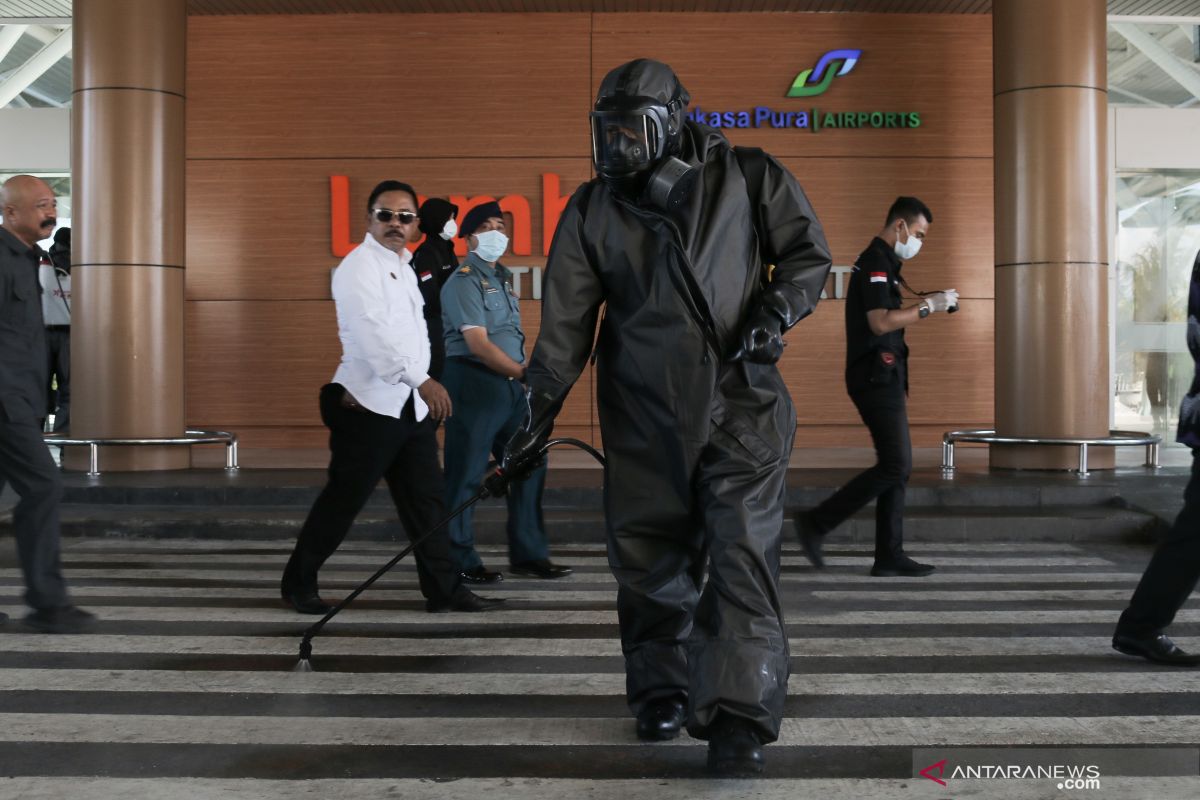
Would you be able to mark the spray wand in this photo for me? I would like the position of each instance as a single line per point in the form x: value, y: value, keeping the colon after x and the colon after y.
x: 495, y: 485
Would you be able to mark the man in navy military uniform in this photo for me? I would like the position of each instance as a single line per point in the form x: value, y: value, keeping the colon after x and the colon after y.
x: 485, y: 367
x: 1175, y: 568
x: 30, y: 214
x: 877, y: 381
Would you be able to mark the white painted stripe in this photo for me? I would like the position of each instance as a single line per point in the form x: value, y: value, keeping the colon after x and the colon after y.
x: 342, y: 583
x: 349, y: 561
x: 552, y: 616
x: 576, y: 731
x: 997, y: 596
x: 514, y: 593
x: 525, y: 593
x: 832, y: 647
x: 584, y: 684
x: 350, y: 579
x: 270, y: 548
x: 1112, y: 788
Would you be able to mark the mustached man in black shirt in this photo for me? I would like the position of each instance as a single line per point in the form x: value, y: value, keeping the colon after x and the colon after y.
x: 877, y: 381
x: 29, y: 211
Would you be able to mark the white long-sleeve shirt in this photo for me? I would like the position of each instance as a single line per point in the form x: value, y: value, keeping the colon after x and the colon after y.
x: 56, y: 295
x: 381, y: 322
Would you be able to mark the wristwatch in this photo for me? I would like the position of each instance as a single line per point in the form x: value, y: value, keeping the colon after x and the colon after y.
x: 924, y: 310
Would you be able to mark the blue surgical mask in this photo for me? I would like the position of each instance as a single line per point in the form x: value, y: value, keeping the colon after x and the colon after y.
x: 490, y: 245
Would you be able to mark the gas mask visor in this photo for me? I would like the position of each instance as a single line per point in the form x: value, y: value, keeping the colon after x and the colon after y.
x: 627, y: 141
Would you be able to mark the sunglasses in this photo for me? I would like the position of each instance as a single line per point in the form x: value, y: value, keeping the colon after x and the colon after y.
x: 386, y: 214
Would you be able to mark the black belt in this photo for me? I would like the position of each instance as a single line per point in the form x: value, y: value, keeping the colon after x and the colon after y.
x: 473, y: 364
x: 66, y: 328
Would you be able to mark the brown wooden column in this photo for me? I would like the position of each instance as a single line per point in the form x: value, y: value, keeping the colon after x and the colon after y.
x: 128, y: 211
x: 1050, y: 89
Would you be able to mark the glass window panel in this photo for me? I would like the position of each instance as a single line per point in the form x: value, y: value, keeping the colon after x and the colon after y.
x: 1158, y: 235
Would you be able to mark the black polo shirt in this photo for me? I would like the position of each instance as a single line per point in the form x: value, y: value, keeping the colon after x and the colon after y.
x: 434, y: 262
x: 873, y: 360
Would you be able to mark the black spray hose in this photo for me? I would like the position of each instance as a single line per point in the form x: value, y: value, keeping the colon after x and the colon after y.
x: 305, y: 664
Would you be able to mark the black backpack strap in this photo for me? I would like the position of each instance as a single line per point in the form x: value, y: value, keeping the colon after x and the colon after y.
x: 753, y: 163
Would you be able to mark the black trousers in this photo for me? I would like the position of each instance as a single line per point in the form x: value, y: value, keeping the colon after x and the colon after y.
x: 884, y: 409
x: 26, y: 464
x: 58, y: 355
x: 363, y: 448
x: 1173, y: 570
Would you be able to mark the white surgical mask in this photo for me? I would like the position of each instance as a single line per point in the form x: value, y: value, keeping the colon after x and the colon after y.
x: 906, y: 250
x: 491, y: 245
x: 449, y: 229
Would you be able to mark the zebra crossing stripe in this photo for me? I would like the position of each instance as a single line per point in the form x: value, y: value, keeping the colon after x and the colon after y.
x: 372, y: 616
x: 563, y: 593
x: 815, y: 647
x: 90, y: 788
x: 238, y: 563
x: 347, y: 578
x: 276, y: 547
x: 582, y: 731
x: 584, y: 684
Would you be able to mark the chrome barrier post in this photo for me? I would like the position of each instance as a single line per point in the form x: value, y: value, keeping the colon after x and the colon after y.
x: 1152, y: 456
x: 1083, y: 458
x: 231, y: 455
x: 948, y: 454
x: 93, y: 460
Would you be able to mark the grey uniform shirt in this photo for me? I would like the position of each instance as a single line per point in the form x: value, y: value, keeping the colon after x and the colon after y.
x: 481, y: 296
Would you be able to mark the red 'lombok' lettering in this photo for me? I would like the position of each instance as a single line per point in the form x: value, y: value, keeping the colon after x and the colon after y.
x: 514, y: 205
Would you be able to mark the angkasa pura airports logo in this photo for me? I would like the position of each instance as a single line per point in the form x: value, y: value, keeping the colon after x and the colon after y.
x: 815, y: 81
x: 810, y: 83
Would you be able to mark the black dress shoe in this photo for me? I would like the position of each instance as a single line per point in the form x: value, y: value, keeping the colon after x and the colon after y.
x: 66, y: 619
x: 903, y: 566
x: 811, y: 540
x: 734, y: 749
x: 307, y: 602
x: 542, y: 568
x: 661, y: 719
x: 1159, y: 649
x: 481, y: 574
x: 465, y: 600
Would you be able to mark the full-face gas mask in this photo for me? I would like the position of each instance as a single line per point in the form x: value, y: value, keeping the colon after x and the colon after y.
x: 637, y: 127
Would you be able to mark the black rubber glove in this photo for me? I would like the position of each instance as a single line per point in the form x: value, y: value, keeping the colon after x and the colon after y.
x: 762, y: 335
x: 523, y: 453
x: 762, y: 339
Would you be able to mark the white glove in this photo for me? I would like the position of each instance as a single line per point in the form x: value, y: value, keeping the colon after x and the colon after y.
x: 942, y: 301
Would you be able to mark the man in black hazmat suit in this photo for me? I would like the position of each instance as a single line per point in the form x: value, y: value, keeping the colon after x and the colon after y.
x: 674, y: 239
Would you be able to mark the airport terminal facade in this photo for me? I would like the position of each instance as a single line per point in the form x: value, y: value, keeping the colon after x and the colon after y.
x: 219, y: 153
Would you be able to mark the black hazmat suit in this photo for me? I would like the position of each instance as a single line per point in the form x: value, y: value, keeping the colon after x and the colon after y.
x: 697, y: 444
x: 434, y: 262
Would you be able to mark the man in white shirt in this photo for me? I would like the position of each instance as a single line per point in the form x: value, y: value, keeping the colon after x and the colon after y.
x: 380, y: 410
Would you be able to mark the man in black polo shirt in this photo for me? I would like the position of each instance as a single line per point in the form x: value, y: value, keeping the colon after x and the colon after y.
x: 877, y: 380
x: 29, y: 211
